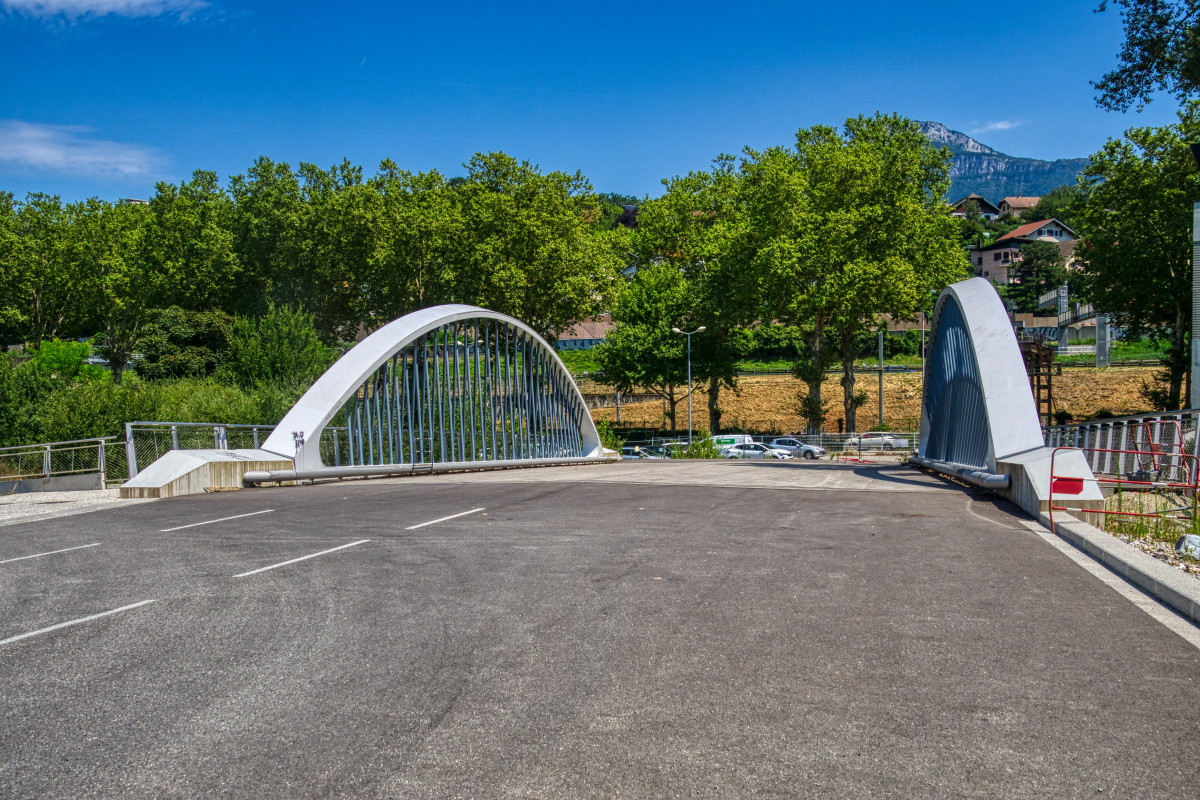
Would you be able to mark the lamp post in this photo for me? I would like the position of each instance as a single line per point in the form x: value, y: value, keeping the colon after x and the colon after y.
x: 689, y: 335
x: 1194, y: 382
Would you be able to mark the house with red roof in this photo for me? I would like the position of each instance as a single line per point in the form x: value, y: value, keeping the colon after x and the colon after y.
x: 994, y: 260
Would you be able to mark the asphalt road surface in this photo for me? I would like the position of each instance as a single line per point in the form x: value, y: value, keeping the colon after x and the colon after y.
x: 582, y: 633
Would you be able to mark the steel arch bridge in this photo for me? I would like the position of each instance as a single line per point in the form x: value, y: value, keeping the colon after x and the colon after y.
x: 446, y: 385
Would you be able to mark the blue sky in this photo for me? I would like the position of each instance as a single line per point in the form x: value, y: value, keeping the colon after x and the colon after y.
x: 106, y: 97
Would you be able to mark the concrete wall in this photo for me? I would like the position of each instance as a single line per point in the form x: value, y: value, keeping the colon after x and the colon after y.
x: 181, y: 472
x: 55, y: 483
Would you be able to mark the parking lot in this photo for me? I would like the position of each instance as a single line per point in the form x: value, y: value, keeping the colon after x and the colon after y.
x: 642, y: 629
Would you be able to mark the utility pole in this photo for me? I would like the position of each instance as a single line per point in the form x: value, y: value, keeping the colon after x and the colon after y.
x: 689, y: 335
x: 1195, y: 382
x: 881, y: 379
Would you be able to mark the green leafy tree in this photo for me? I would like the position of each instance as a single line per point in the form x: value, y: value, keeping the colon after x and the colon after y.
x: 642, y: 352
x: 1041, y: 269
x: 281, y: 348
x: 1135, y: 215
x: 41, y: 279
x: 874, y: 238
x: 697, y: 228
x: 176, y: 343
x: 526, y: 248
x: 1161, y: 52
x: 1055, y: 204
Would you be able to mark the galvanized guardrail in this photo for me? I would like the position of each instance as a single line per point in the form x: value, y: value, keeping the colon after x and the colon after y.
x: 53, y: 459
x: 146, y: 442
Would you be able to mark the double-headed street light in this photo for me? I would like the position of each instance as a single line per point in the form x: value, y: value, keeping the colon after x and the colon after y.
x: 689, y: 335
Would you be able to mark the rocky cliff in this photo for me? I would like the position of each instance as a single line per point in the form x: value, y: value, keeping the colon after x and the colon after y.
x: 982, y: 170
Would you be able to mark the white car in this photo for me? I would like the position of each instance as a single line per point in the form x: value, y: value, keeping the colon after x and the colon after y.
x: 753, y: 450
x: 797, y: 448
x: 876, y: 440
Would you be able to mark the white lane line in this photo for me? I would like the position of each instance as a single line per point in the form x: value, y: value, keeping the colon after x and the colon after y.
x: 443, y: 519
x: 52, y: 552
x: 211, y: 521
x: 74, y: 622
x: 301, y: 558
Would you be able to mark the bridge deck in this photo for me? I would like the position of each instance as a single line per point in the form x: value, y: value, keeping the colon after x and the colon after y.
x: 641, y: 629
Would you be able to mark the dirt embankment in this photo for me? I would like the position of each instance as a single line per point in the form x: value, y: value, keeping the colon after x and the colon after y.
x: 768, y: 403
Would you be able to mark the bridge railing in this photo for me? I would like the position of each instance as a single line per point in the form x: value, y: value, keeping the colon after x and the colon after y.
x: 146, y: 442
x: 1169, y: 435
x: 52, y: 459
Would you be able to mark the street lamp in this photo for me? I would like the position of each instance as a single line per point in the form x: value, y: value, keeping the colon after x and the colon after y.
x: 689, y: 335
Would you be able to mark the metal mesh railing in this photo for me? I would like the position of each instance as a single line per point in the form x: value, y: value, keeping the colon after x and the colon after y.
x: 1150, y: 443
x: 76, y: 457
x: 146, y: 442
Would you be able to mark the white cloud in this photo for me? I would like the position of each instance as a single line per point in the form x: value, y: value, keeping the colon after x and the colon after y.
x: 67, y: 149
x: 75, y: 9
x: 1002, y: 125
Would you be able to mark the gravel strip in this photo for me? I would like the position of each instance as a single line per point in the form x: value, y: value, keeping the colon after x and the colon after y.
x: 44, y: 505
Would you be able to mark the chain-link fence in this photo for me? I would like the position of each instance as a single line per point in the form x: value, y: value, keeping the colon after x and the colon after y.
x: 146, y: 442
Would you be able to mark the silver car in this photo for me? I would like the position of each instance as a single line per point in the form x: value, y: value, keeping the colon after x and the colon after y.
x: 797, y: 448
x: 753, y: 450
x: 876, y: 440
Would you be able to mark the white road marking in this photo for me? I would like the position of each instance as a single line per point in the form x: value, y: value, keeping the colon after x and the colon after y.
x: 301, y: 558
x: 52, y: 552
x: 443, y: 519
x: 74, y: 622
x: 1169, y: 619
x: 211, y: 521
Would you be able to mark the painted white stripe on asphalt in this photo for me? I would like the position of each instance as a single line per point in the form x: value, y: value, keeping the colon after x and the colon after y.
x: 74, y: 622
x: 443, y: 519
x: 52, y: 552
x: 301, y: 558
x: 211, y: 521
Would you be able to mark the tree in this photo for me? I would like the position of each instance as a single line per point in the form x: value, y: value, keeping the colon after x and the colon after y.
x: 525, y: 247
x: 123, y: 283
x: 175, y: 343
x: 1135, y: 215
x: 1161, y: 52
x: 875, y: 237
x: 420, y: 225
x: 642, y: 352
x: 41, y: 291
x: 1041, y: 269
x: 698, y: 228
x: 1055, y: 204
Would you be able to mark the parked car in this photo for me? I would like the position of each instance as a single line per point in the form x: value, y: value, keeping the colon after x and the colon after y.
x: 876, y: 440
x: 636, y: 452
x: 730, y: 439
x: 753, y: 450
x: 797, y: 448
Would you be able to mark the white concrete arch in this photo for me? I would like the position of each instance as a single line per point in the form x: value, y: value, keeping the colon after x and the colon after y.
x: 298, y: 435
x: 977, y: 406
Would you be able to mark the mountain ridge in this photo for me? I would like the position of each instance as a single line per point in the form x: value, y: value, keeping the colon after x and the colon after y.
x: 979, y: 169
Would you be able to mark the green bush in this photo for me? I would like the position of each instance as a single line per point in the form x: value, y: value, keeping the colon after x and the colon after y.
x: 702, y: 446
x: 280, y: 348
x: 183, y: 344
x: 608, y: 437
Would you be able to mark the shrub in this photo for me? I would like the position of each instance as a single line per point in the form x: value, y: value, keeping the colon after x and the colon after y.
x: 183, y: 344
x: 279, y: 348
x: 702, y: 446
x: 608, y: 437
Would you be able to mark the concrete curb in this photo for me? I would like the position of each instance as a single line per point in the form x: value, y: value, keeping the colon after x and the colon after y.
x: 1161, y: 581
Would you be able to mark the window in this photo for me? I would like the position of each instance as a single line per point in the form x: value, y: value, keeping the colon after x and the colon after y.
x: 981, y: 261
x: 985, y: 273
x: 996, y: 256
x: 1007, y: 255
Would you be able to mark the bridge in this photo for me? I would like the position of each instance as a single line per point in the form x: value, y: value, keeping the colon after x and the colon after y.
x: 591, y: 627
